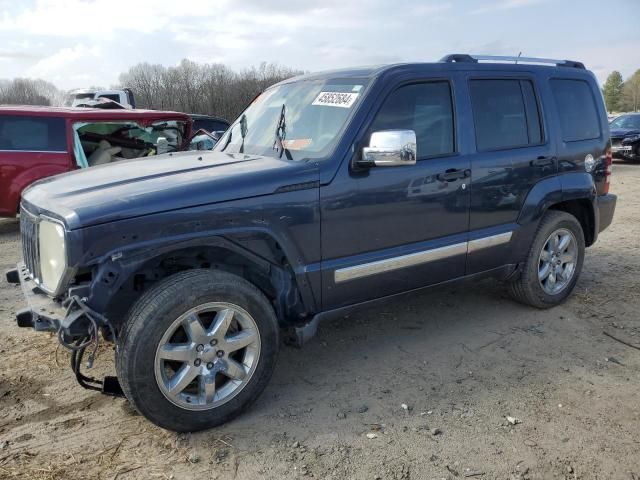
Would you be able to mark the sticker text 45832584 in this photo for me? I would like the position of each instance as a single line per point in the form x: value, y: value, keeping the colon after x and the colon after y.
x: 335, y: 99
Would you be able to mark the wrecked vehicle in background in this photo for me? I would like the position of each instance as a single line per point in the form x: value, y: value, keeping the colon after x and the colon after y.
x: 625, y: 137
x: 207, y: 131
x: 203, y: 140
x: 209, y: 123
x: 80, y: 97
x: 38, y: 142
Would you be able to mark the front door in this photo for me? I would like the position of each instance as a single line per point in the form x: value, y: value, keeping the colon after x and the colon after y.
x: 390, y: 229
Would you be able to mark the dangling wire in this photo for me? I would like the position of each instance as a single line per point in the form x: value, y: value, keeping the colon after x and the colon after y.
x: 80, y: 345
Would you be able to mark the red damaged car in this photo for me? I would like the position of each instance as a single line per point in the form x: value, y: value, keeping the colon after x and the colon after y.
x: 37, y: 142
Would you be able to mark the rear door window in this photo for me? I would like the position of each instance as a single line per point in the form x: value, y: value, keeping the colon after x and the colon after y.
x: 576, y: 109
x: 505, y: 114
x: 39, y: 134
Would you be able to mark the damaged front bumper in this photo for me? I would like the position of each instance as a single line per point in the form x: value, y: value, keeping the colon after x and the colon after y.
x: 42, y: 313
x: 74, y: 322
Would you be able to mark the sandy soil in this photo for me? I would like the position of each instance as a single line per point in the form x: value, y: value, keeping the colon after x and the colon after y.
x: 432, y: 378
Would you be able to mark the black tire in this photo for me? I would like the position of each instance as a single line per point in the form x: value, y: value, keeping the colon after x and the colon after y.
x: 153, y: 314
x: 526, y: 288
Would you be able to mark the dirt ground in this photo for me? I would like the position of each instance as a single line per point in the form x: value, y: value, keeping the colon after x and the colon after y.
x: 419, y: 389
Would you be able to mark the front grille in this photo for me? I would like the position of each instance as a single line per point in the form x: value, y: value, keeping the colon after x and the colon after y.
x: 29, y: 237
x: 616, y: 142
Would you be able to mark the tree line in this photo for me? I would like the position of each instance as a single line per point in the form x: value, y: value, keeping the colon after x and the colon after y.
x: 622, y: 95
x: 27, y: 91
x: 215, y: 89
x: 190, y: 87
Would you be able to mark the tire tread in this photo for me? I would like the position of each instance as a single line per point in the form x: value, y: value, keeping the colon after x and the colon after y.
x: 141, y: 315
x: 522, y: 289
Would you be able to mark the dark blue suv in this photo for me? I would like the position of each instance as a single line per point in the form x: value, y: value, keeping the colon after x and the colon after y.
x: 330, y: 191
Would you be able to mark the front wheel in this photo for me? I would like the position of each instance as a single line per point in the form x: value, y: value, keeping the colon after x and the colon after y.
x: 197, y: 349
x: 553, y: 264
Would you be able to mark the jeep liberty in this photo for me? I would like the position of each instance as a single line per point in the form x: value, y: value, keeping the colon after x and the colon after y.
x: 331, y: 191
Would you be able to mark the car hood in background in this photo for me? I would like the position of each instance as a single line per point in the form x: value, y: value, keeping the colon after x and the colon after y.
x: 624, y: 132
x: 140, y: 187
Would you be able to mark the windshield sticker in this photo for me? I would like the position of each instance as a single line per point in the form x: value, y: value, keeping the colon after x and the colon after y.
x: 297, y: 143
x: 335, y: 99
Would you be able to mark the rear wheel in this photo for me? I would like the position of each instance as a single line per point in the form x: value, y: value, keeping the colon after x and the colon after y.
x: 553, y: 263
x: 197, y: 349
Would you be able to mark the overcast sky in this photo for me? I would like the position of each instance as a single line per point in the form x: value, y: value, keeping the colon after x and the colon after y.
x: 78, y: 43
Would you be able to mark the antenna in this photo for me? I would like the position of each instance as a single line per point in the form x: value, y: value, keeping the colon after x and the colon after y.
x: 518, y: 57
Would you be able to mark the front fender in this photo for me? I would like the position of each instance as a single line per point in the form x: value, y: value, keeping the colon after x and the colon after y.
x: 115, y: 268
x: 279, y: 231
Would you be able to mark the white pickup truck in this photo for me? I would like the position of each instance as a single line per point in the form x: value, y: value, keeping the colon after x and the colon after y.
x: 123, y: 96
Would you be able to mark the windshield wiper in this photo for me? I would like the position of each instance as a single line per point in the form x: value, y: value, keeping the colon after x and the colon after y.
x: 281, y: 133
x: 243, y: 131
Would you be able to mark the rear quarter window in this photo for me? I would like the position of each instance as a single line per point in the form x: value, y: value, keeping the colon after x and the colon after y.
x: 40, y: 134
x: 576, y: 109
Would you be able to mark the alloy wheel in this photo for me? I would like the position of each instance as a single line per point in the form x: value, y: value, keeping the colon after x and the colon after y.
x: 557, y: 261
x: 207, y: 356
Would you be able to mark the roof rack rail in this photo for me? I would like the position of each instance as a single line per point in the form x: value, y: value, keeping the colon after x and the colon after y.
x: 465, y: 58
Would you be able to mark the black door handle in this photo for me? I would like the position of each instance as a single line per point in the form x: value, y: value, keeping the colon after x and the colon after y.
x: 543, y: 161
x: 453, y: 174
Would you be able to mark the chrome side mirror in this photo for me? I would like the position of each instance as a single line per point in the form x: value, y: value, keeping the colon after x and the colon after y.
x: 390, y: 148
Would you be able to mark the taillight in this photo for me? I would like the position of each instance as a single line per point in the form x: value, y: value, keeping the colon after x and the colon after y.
x: 608, y: 168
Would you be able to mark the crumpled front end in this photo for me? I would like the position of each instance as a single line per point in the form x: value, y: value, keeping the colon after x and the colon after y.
x: 53, y: 304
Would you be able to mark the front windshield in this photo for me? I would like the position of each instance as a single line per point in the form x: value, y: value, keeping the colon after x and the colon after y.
x: 626, y: 122
x: 315, y: 113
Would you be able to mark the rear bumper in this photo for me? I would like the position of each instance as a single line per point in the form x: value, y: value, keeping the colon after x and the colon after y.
x: 41, y: 313
x: 606, y: 208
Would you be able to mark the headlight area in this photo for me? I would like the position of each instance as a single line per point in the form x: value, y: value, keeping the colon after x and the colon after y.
x: 53, y: 254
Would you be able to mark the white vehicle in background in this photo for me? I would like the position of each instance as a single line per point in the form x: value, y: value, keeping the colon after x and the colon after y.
x: 85, y: 96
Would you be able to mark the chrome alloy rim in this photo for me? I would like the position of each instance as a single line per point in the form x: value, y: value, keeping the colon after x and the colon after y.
x: 557, y: 263
x: 207, y: 356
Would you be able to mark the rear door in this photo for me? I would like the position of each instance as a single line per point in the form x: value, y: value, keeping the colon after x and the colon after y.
x: 512, y: 153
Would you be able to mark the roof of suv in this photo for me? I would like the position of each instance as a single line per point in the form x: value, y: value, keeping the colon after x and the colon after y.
x: 449, y: 63
x: 91, y: 113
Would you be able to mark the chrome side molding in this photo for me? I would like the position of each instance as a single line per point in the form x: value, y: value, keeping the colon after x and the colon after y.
x: 395, y: 263
x: 487, y: 242
x: 419, y: 258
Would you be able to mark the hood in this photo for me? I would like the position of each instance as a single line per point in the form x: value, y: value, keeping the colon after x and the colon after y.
x: 624, y: 132
x: 167, y: 182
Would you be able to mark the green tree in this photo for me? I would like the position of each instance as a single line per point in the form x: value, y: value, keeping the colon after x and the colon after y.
x: 612, y: 91
x: 631, y: 93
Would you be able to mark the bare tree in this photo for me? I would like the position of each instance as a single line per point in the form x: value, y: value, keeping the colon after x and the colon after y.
x: 26, y: 91
x: 201, y: 88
